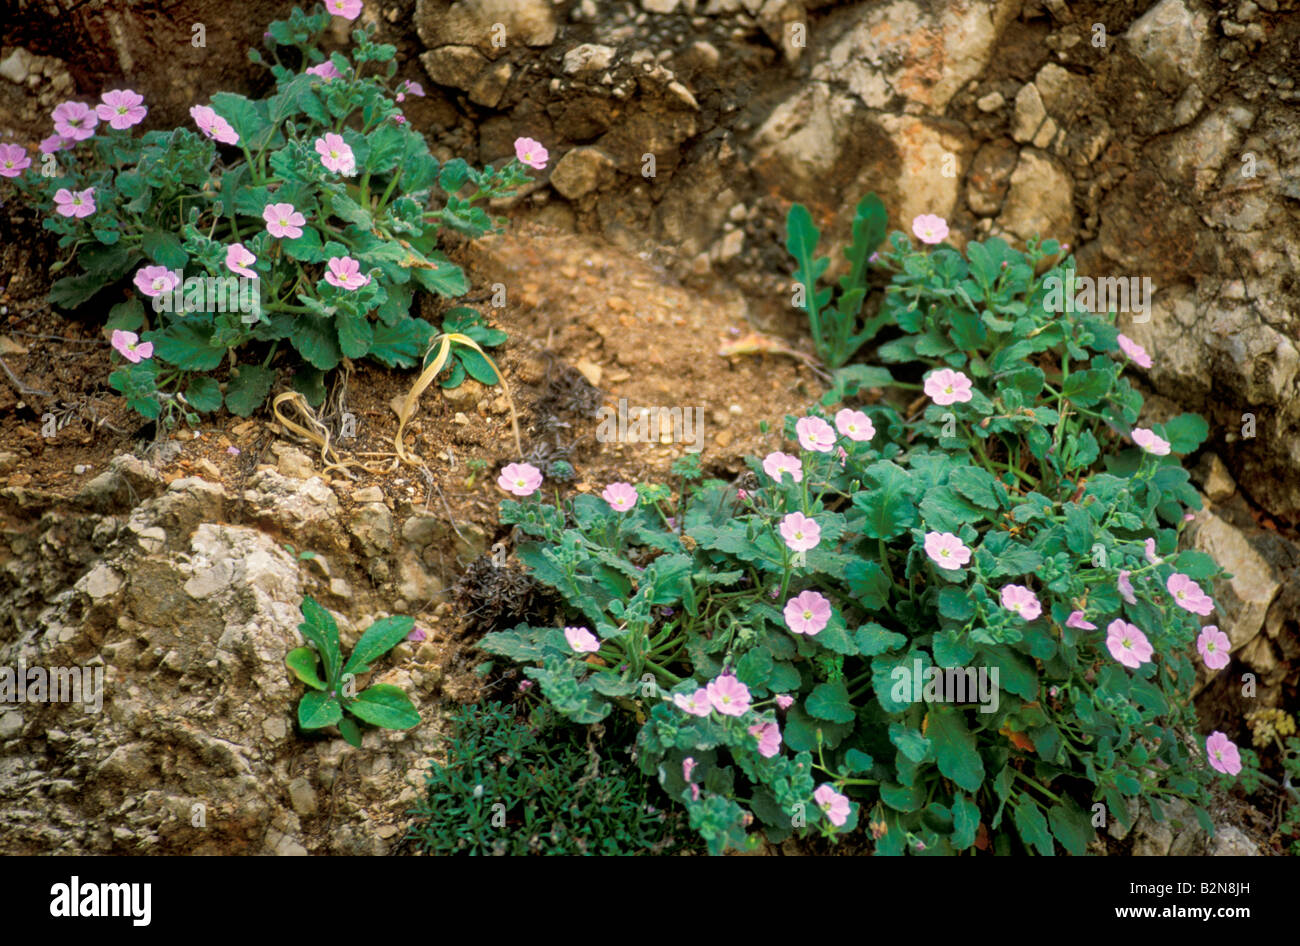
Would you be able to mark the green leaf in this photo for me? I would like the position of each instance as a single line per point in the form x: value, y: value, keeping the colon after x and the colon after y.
x: 379, y: 639
x: 401, y: 344
x: 976, y: 485
x: 303, y: 662
x: 355, y: 334
x: 164, y: 248
x: 965, y: 822
x: 127, y: 316
x: 887, y: 501
x: 316, y: 710
x: 319, y: 627
x: 1071, y: 826
x: 956, y: 603
x: 306, y: 248
x: 186, y: 343
x: 910, y: 742
x: 247, y: 390
x: 109, y: 261
x: 954, y: 748
x: 203, y: 394
x: 248, y: 118
x: 872, y: 639
x: 1033, y: 826
x: 350, y: 731
x: 1186, y: 432
x: 858, y: 762
x: 830, y: 701
x: 447, y: 279
x: 385, y: 705
x: 1086, y: 388
x: 476, y: 365
x: 868, y: 584
x: 317, y: 341
x: 70, y: 292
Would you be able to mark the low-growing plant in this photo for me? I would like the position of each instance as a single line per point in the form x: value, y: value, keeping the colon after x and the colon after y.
x: 304, y: 223
x: 1273, y: 728
x: 507, y: 786
x: 969, y: 627
x: 333, y: 692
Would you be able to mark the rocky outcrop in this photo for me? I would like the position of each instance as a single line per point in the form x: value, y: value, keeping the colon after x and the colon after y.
x: 185, y: 617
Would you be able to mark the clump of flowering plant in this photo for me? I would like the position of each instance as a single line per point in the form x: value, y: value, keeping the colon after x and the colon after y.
x: 970, y: 627
x: 299, y: 225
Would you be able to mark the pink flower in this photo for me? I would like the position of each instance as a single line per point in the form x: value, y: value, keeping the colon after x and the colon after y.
x: 784, y: 701
x: 1126, y: 587
x: 946, y: 550
x: 776, y: 464
x: 1214, y: 647
x: 345, y: 273
x: 1188, y: 594
x: 74, y: 120
x: 769, y: 738
x: 156, y: 280
x: 283, y: 221
x: 238, y: 259
x: 1135, y: 351
x: 815, y: 434
x: 946, y: 386
x: 336, y: 154
x: 54, y: 143
x: 531, y: 153
x: 835, y: 805
x: 688, y: 766
x: 800, y: 532
x: 620, y: 496
x: 930, y: 228
x: 1149, y: 551
x: 807, y: 613
x: 417, y: 634
x: 234, y: 451
x: 326, y: 70
x: 121, y: 108
x: 213, y: 125
x: 348, y: 9
x: 1021, y: 600
x: 521, y: 479
x: 409, y: 88
x: 581, y: 640
x: 697, y: 704
x: 75, y: 203
x: 1149, y: 441
x: 1223, y: 754
x: 13, y: 160
x: 1076, y: 620
x: 1128, y: 644
x: 130, y: 347
x: 855, y: 425
x: 729, y: 696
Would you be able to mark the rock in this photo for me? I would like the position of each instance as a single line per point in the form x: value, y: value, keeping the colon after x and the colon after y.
x: 372, y: 527
x: 100, y: 582
x: 370, y: 494
x: 18, y: 65
x: 990, y: 103
x: 491, y: 85
x: 471, y: 23
x: 1040, y: 199
x: 292, y: 461
x: 1241, y: 602
x: 879, y: 56
x: 8, y: 462
x: 990, y: 176
x: 587, y: 59
x: 1216, y: 482
x: 455, y: 66
x: 1030, y: 113
x: 1231, y: 841
x: 302, y: 796
x: 581, y: 171
x: 1170, y: 40
x: 659, y: 6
